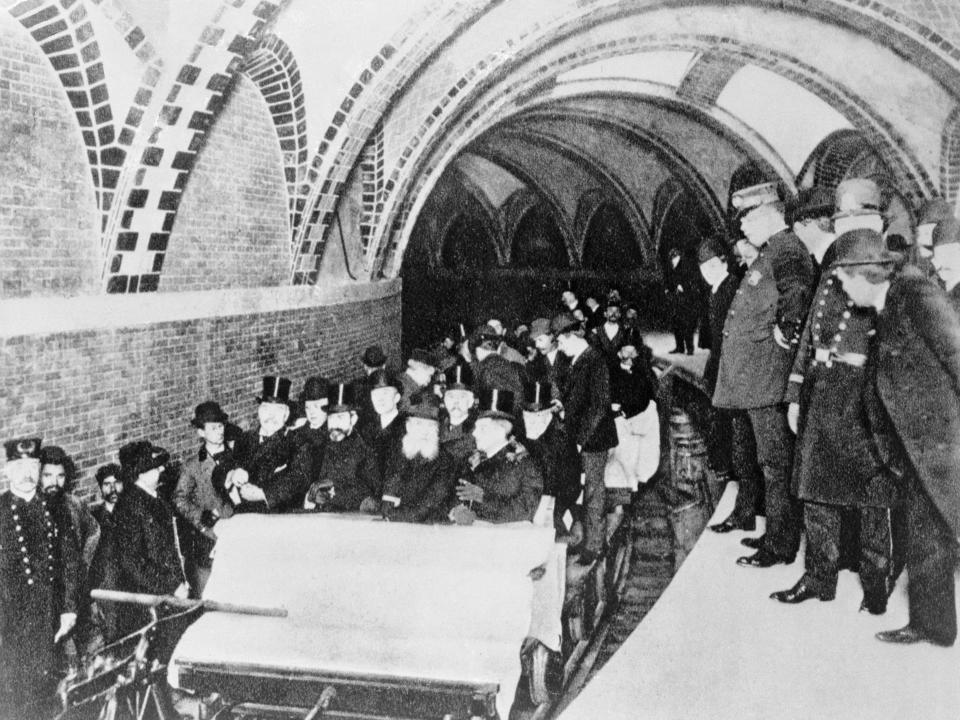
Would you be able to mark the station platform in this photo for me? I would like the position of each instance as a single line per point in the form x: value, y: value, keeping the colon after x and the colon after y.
x: 716, y: 646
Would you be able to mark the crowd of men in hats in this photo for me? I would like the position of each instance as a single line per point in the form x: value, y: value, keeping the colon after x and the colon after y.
x: 475, y: 430
x: 835, y: 375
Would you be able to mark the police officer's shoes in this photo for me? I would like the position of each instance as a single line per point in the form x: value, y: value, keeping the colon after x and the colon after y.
x: 731, y: 524
x: 754, y: 543
x: 909, y: 635
x: 800, y: 592
x: 763, y: 559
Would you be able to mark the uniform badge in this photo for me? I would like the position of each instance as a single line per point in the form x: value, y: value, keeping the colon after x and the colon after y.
x: 754, y: 277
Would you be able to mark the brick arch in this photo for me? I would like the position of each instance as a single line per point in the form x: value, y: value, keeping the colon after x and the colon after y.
x: 490, y: 251
x: 950, y: 157
x: 590, y: 206
x: 150, y: 188
x: 274, y: 70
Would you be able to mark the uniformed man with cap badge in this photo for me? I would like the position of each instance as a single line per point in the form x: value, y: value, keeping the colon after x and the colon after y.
x: 946, y: 258
x: 270, y: 475
x: 458, y: 415
x: 38, y: 569
x: 503, y: 485
x: 836, y: 466
x: 760, y: 338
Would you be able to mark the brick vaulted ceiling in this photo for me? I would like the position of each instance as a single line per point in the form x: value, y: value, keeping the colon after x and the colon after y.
x: 404, y: 90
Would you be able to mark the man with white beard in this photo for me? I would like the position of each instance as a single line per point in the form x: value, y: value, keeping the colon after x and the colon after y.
x: 420, y: 477
x: 346, y: 479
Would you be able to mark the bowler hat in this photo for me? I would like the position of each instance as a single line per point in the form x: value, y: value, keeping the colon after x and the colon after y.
x: 341, y: 398
x: 537, y: 396
x: 813, y: 202
x: 496, y: 403
x: 564, y: 322
x: 459, y: 377
x: 373, y: 356
x: 425, y: 357
x: 141, y: 456
x: 426, y: 408
x: 711, y: 247
x: 863, y: 247
x: 23, y: 448
x: 933, y: 211
x: 275, y: 390
x: 315, y: 388
x: 947, y: 232
x: 384, y: 378
x: 208, y: 412
x: 857, y: 196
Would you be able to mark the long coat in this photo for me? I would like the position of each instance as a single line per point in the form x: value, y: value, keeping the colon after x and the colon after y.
x: 719, y: 306
x: 277, y: 467
x: 918, y: 382
x: 512, y: 486
x: 586, y: 403
x: 775, y: 291
x: 351, y: 466
x: 424, y: 487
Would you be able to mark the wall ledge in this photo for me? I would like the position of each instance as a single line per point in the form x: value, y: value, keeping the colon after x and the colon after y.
x: 50, y: 315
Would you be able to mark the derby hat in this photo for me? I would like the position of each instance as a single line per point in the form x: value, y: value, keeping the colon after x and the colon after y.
x: 275, y: 390
x: 208, y: 412
x: 315, y: 388
x: 711, y: 247
x: 424, y: 357
x: 373, y: 357
x: 341, y: 398
x: 459, y: 377
x: 863, y: 247
x: 141, y: 456
x: 426, y: 409
x: 537, y: 396
x: 384, y: 378
x: 813, y: 202
x: 22, y: 449
x: 497, y: 403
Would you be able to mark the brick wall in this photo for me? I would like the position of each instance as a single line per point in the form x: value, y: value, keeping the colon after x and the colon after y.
x: 232, y: 229
x: 92, y: 390
x: 48, y: 212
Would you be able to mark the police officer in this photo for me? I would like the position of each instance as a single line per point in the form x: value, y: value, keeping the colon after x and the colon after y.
x: 759, y: 341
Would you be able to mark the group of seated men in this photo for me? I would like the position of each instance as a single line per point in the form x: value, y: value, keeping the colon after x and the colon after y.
x: 835, y: 372
x: 470, y: 431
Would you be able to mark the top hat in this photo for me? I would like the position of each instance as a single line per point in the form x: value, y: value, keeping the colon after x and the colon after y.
x: 564, y: 322
x: 384, y: 378
x: 275, y: 390
x: 208, y: 412
x: 754, y: 196
x: 315, y: 388
x: 540, y: 326
x: 373, y: 356
x: 863, y: 247
x: 947, y: 232
x: 812, y: 202
x: 857, y: 196
x: 341, y: 398
x: 141, y: 456
x: 934, y: 211
x: 424, y: 357
x: 23, y: 448
x: 496, y: 403
x: 538, y: 395
x: 459, y: 377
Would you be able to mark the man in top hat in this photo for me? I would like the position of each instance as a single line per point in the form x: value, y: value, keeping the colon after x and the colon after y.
x: 550, y: 365
x: 811, y: 217
x: 311, y: 437
x: 347, y: 479
x: 916, y: 361
x: 760, y: 337
x: 105, y: 566
x: 555, y: 453
x: 588, y: 420
x: 946, y: 258
x: 373, y: 360
x: 197, y: 499
x: 415, y: 380
x: 421, y: 475
x: 491, y: 369
x: 38, y: 569
x: 680, y: 287
x: 270, y: 474
x: 384, y: 429
x: 503, y: 486
x: 149, y: 561
x: 835, y: 465
x: 457, y: 417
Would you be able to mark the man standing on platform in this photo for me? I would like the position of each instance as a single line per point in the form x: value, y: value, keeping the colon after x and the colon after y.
x: 916, y: 358
x: 760, y: 337
x: 38, y: 568
x: 104, y: 569
x: 588, y: 420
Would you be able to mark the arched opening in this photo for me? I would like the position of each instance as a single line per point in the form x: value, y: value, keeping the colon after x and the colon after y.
x: 467, y: 247
x: 609, y: 244
x: 537, y: 242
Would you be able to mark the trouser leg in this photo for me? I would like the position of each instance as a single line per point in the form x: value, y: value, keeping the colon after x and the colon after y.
x: 875, y: 552
x: 821, y: 522
x: 745, y: 467
x: 593, y: 497
x: 849, y: 538
x: 775, y: 455
x: 931, y: 557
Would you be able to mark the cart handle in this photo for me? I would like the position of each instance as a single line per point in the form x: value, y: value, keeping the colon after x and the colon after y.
x: 209, y: 605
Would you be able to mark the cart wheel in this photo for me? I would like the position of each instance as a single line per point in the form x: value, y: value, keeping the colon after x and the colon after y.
x: 539, y: 661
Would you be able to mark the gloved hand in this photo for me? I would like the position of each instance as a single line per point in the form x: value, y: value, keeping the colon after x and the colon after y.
x: 67, y: 621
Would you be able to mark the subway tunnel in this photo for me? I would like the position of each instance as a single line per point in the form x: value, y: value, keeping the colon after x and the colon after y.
x: 198, y: 193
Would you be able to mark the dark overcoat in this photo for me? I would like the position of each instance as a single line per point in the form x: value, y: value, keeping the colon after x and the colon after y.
x: 586, y: 403
x: 350, y: 465
x: 512, y: 486
x: 277, y: 467
x: 775, y: 292
x: 918, y: 382
x: 719, y: 306
x: 424, y: 487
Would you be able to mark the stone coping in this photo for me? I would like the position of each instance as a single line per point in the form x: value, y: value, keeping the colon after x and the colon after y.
x: 50, y: 315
